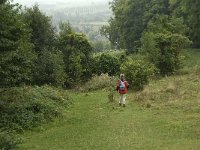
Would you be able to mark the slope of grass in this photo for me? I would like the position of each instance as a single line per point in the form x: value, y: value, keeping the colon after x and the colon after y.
x: 92, y: 123
x: 165, y: 115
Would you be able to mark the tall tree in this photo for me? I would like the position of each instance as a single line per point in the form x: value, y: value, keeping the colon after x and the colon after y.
x: 130, y: 20
x: 43, y: 33
x: 192, y: 12
x: 50, y: 68
x: 16, y: 55
x: 76, y: 50
x: 163, y: 43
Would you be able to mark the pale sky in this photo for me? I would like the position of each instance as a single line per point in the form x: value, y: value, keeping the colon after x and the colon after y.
x: 56, y: 2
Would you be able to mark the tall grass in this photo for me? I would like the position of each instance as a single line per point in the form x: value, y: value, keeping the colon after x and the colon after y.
x: 99, y: 82
x: 182, y: 85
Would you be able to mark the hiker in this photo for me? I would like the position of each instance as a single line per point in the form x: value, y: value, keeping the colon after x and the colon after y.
x: 122, y: 87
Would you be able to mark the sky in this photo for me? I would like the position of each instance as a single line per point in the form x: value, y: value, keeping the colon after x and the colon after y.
x: 60, y: 2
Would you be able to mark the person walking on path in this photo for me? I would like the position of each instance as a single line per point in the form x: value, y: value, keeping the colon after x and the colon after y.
x: 122, y: 87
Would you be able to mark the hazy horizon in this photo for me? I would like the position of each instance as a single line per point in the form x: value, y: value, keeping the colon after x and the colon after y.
x: 67, y: 3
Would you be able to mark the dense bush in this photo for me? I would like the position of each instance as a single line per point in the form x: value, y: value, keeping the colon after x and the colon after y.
x: 8, y: 141
x: 26, y: 107
x: 50, y: 69
x: 106, y: 63
x: 137, y: 71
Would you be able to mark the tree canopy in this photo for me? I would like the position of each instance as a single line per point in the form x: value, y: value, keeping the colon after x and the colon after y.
x: 16, y: 52
x: 131, y: 18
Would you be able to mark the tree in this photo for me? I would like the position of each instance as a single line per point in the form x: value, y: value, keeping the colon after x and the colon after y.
x: 108, y: 64
x: 76, y: 50
x: 192, y: 19
x: 16, y: 55
x: 190, y: 12
x: 163, y: 43
x: 51, y: 69
x: 42, y: 32
x: 130, y: 20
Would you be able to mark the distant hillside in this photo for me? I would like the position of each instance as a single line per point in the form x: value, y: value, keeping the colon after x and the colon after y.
x: 75, y: 12
x: 80, y: 15
x: 85, y: 16
x: 86, y: 19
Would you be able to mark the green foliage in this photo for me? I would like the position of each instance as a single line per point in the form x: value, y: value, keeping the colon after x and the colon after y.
x: 111, y: 32
x: 100, y: 82
x: 138, y: 72
x: 163, y: 43
x: 9, y: 141
x: 107, y: 63
x: 101, y: 45
x: 130, y: 20
x: 42, y: 31
x: 77, y: 55
x: 192, y: 13
x: 189, y: 11
x: 16, y: 52
x: 27, y: 107
x: 125, y: 29
x: 50, y: 69
x: 74, y: 69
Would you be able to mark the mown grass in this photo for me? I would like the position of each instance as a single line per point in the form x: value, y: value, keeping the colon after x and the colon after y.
x: 164, y: 116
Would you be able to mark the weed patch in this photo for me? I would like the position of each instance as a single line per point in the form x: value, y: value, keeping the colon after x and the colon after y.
x: 99, y: 82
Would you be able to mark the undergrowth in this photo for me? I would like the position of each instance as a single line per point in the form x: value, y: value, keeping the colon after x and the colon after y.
x: 99, y: 82
x: 23, y: 108
x: 26, y: 107
x: 9, y: 140
x: 184, y: 85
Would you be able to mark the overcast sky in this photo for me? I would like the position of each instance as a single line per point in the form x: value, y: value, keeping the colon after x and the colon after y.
x: 67, y: 2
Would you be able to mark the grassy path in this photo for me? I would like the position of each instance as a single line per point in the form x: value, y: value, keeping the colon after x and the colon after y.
x: 93, y: 124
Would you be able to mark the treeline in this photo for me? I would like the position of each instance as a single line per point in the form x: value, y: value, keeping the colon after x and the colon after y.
x: 34, y: 53
x: 155, y: 32
x: 132, y: 18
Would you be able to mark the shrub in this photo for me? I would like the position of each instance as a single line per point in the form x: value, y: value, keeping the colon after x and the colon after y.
x: 100, y: 82
x: 8, y: 141
x: 26, y: 107
x: 137, y: 71
x: 50, y: 69
x: 164, y: 51
x: 108, y: 64
x: 163, y: 43
x: 77, y: 55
